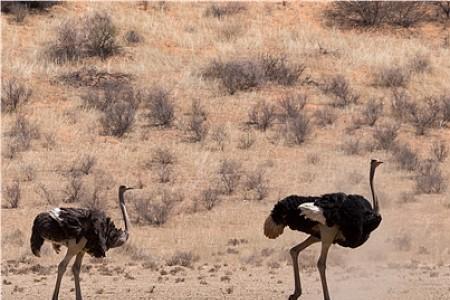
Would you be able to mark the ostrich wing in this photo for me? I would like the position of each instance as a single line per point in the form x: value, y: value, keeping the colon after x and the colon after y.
x: 312, y: 212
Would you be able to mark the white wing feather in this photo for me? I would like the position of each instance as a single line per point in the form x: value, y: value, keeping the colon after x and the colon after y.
x: 312, y: 212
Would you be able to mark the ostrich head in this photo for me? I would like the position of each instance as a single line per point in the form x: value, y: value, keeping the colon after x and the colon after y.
x: 375, y: 163
x: 122, y: 190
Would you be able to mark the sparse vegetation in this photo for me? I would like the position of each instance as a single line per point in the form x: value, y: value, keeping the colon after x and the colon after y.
x: 420, y: 64
x: 340, y: 89
x: 429, y: 177
x: 299, y: 129
x: 439, y: 150
x: 372, y: 111
x: 424, y: 116
x: 118, y: 118
x: 83, y: 165
x: 376, y: 13
x: 161, y: 107
x: 21, y: 135
x: 133, y: 37
x: 209, y: 197
x: 405, y: 157
x: 385, y: 135
x: 196, y: 124
x: 229, y: 173
x: 244, y: 74
x: 220, y: 136
x: 351, y: 146
x: 392, y: 77
x: 163, y: 160
x: 246, y: 140
x: 262, y: 115
x: 91, y: 35
x: 14, y: 94
x: 256, y: 185
x: 12, y: 195
x: 220, y: 10
x: 325, y: 116
x: 182, y: 258
x: 152, y: 212
x: 291, y: 106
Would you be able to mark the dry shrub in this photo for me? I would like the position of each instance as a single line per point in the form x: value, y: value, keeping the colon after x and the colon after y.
x: 75, y: 190
x: 118, y: 118
x: 109, y: 94
x: 153, y: 213
x: 298, y: 129
x: 262, y: 115
x: 12, y: 195
x: 445, y: 108
x: 291, y: 106
x: 229, y: 173
x: 372, y: 111
x: 429, y: 177
x: 246, y: 140
x: 182, y: 258
x: 401, y: 105
x: 256, y: 185
x: 162, y: 160
x: 196, y: 124
x: 420, y: 64
x: 209, y: 197
x: 220, y: 136
x: 100, y: 35
x: 340, y: 89
x: 351, y: 146
x: 83, y: 165
x: 14, y: 94
x: 277, y: 69
x: 46, y: 194
x: 325, y: 116
x: 439, y: 150
x: 236, y: 75
x: 425, y: 115
x: 220, y: 10
x: 133, y: 37
x: 161, y: 107
x: 244, y: 74
x: 405, y: 157
x: 68, y: 45
x: 21, y: 135
x: 392, y: 77
x: 385, y: 135
x: 92, y: 35
x: 375, y: 13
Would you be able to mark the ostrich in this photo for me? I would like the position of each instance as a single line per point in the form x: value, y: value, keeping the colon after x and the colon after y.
x: 338, y: 218
x: 81, y: 230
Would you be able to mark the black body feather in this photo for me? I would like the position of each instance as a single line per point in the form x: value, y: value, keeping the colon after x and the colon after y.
x: 353, y: 214
x: 76, y: 223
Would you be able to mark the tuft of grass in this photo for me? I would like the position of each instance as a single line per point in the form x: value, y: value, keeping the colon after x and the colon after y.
x: 439, y: 150
x: 161, y: 108
x: 299, y: 129
x: 182, y: 258
x: 196, y: 124
x: 372, y: 111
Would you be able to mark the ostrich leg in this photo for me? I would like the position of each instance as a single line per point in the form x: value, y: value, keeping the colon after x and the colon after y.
x: 294, y: 254
x: 327, y: 235
x: 73, y: 248
x: 76, y: 273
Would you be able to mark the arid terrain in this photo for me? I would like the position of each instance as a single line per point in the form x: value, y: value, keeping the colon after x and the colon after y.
x: 215, y: 111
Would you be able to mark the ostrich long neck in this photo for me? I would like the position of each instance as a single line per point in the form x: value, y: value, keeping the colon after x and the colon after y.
x: 376, y: 207
x: 124, y: 213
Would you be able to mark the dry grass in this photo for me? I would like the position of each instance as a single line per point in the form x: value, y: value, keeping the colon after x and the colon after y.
x: 178, y: 41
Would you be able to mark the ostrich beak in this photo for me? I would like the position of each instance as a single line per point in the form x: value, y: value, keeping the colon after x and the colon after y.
x: 130, y: 188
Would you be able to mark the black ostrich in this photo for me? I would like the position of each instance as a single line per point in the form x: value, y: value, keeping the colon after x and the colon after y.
x: 338, y: 218
x: 81, y: 230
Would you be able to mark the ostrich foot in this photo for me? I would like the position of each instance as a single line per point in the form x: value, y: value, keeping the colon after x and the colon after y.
x: 294, y: 296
